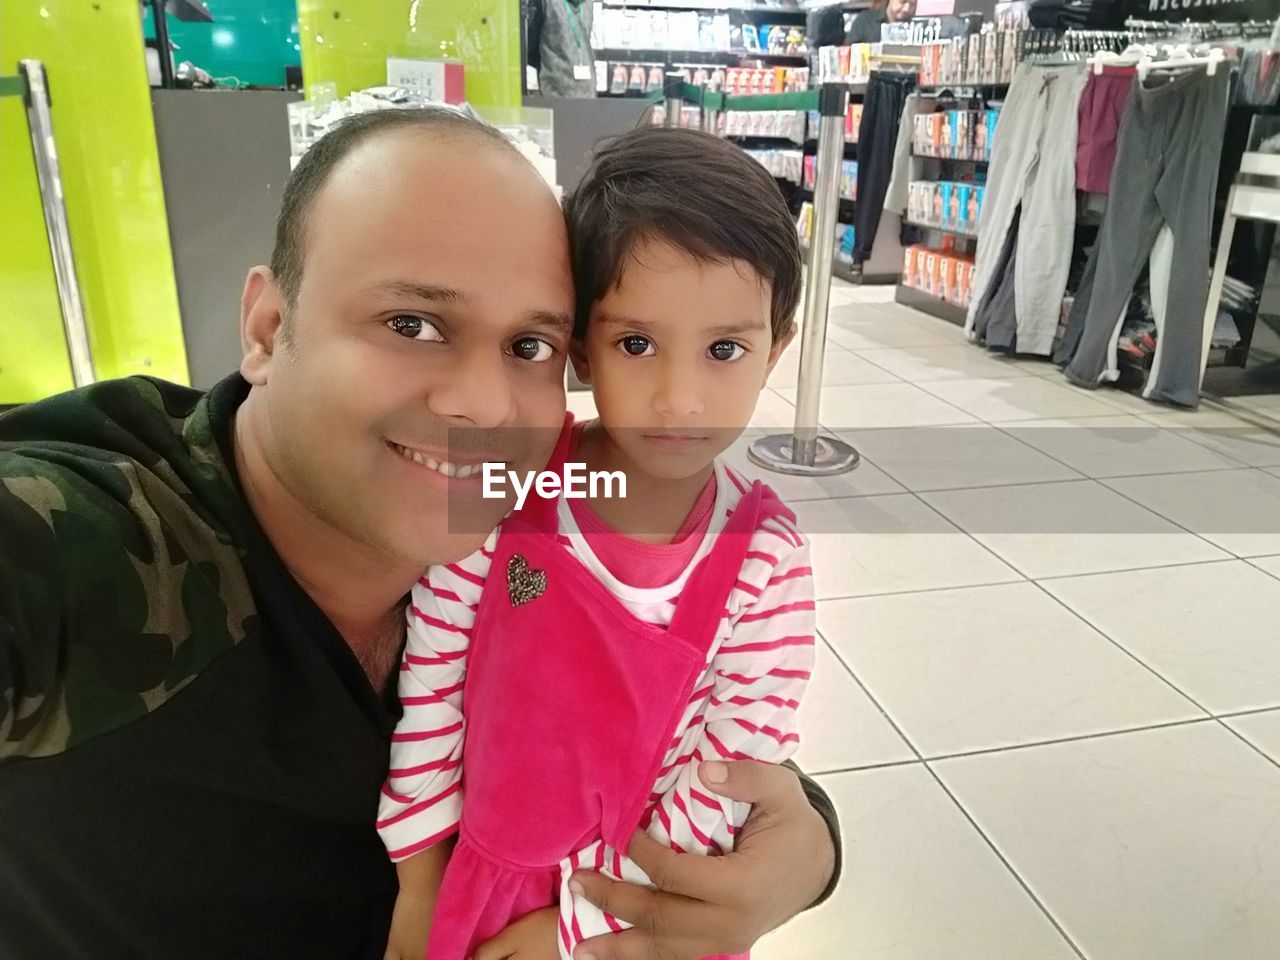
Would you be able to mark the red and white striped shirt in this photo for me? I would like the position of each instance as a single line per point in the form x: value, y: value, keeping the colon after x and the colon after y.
x: 742, y: 707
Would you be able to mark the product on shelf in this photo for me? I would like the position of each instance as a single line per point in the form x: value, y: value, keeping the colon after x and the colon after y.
x: 851, y: 64
x: 763, y: 123
x: 852, y: 122
x: 640, y: 29
x: 940, y: 273
x: 989, y: 57
x: 749, y: 81
x: 632, y: 29
x: 954, y: 134
x: 783, y: 164
x: 946, y: 205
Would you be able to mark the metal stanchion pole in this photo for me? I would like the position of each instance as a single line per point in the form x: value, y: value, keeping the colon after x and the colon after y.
x: 706, y: 116
x: 55, y: 222
x: 673, y: 93
x: 803, y: 452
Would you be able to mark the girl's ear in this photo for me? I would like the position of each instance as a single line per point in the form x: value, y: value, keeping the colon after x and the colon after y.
x: 578, y: 356
x: 775, y: 352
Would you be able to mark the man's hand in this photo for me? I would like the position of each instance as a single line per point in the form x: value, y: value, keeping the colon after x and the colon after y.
x: 706, y: 906
x: 532, y: 937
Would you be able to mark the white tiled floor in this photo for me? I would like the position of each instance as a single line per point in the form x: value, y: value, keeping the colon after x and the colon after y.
x: 1047, y: 700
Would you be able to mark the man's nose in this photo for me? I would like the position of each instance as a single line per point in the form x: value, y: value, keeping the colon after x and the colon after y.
x: 476, y: 390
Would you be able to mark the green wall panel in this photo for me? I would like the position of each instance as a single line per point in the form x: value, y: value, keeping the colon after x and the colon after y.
x: 348, y: 42
x: 250, y: 40
x: 93, y: 55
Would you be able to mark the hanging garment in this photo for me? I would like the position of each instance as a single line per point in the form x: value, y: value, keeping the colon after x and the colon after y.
x: 898, y: 191
x: 1032, y: 167
x: 877, y: 141
x: 1101, y: 108
x: 996, y: 322
x: 1166, y: 173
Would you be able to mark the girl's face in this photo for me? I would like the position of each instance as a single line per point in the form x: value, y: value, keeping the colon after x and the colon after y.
x: 677, y: 354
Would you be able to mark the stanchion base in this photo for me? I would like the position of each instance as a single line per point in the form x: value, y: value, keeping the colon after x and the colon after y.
x: 774, y: 453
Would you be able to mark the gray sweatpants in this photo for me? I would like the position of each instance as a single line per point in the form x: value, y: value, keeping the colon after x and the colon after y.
x: 1165, y: 175
x: 1033, y: 166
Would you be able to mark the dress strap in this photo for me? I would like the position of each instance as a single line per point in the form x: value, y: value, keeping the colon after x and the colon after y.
x: 706, y: 593
x: 541, y: 513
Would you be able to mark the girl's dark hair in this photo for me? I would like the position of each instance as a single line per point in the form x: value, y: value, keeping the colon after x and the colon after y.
x: 697, y: 192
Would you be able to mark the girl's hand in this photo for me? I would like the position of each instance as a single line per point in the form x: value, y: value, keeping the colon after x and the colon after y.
x: 532, y: 937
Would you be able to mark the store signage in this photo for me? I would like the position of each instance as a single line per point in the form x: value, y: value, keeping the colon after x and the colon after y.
x: 439, y: 80
x: 1203, y: 9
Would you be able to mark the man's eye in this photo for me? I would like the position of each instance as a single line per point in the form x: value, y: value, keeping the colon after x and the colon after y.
x: 532, y: 348
x: 414, y: 328
x: 725, y: 350
x: 636, y: 346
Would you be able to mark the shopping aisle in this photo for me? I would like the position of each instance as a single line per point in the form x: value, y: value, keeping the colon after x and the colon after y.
x: 1048, y: 697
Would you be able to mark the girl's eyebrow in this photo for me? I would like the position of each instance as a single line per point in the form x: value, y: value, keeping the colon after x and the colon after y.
x: 723, y: 330
x: 741, y: 326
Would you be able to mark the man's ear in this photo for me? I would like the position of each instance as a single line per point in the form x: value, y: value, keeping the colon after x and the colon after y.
x: 775, y: 352
x: 578, y: 354
x: 261, y: 324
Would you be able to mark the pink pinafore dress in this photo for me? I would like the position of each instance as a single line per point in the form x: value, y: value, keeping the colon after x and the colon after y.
x: 571, y: 703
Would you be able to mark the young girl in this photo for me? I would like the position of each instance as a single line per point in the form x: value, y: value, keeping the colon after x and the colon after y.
x: 595, y: 651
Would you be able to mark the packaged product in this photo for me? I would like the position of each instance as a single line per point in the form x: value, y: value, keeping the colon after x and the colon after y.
x: 973, y: 59
x: 964, y: 196
x: 946, y: 276
x: 947, y: 194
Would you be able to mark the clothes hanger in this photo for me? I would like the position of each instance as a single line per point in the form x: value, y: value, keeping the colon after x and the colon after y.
x: 1181, y: 56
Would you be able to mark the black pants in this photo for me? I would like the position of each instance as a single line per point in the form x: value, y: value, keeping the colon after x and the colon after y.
x: 877, y: 137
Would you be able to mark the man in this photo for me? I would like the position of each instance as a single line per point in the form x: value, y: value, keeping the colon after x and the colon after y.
x: 201, y: 596
x: 866, y: 25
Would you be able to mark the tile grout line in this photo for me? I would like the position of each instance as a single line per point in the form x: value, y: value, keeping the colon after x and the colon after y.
x: 1247, y: 742
x: 848, y: 668
x: 959, y: 806
x: 1072, y: 613
x: 1150, y: 510
x: 1249, y: 561
x: 1144, y: 506
x: 1078, y: 738
x: 1106, y: 635
x: 1044, y: 909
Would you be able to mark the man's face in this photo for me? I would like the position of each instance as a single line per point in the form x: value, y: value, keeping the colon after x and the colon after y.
x: 901, y: 9
x: 429, y: 334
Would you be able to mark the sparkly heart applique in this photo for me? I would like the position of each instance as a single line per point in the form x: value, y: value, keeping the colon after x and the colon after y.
x: 523, y: 584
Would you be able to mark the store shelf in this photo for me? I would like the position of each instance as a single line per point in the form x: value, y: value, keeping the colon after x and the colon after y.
x: 750, y: 141
x: 727, y: 58
x: 850, y: 148
x: 846, y: 205
x: 976, y: 163
x: 958, y: 90
x: 934, y: 226
x: 911, y: 297
x: 709, y: 6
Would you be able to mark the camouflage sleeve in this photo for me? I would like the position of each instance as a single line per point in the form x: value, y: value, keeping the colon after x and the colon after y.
x: 114, y: 594
x: 31, y: 591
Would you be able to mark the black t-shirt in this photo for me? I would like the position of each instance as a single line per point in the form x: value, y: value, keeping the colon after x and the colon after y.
x: 190, y: 754
x: 866, y: 26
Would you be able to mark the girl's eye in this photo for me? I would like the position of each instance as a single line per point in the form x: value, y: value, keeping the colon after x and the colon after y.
x: 414, y: 328
x: 532, y: 349
x: 725, y: 350
x: 636, y: 346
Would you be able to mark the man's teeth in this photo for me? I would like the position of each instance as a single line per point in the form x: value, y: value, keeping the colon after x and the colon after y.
x: 452, y: 470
